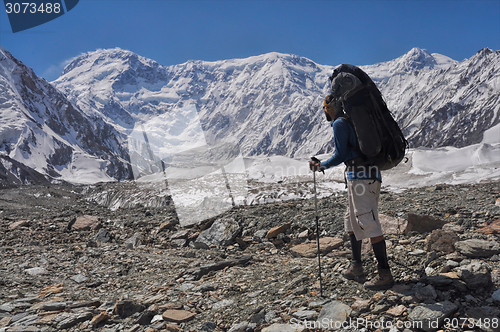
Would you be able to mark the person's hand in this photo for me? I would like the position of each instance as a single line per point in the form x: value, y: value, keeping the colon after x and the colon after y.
x: 315, y: 166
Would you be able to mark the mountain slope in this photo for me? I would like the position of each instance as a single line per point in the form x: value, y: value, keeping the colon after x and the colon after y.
x: 41, y: 129
x: 271, y: 104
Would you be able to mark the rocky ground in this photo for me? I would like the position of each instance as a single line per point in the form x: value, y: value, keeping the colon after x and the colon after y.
x: 70, y: 264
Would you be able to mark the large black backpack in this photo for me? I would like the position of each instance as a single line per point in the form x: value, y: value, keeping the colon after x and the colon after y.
x: 381, y: 142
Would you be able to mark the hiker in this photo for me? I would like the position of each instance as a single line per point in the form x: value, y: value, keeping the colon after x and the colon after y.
x: 363, y: 186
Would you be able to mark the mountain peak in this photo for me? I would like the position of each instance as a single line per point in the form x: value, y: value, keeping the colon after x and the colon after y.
x: 102, y: 57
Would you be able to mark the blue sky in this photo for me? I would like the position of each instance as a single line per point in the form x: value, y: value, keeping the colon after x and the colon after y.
x: 331, y: 32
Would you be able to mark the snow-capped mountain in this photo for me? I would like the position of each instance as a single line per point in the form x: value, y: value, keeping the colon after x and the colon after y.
x: 115, y: 106
x: 43, y: 131
x: 441, y: 102
x: 271, y: 104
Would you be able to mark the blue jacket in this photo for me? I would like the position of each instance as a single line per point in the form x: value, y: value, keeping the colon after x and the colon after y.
x: 344, y: 139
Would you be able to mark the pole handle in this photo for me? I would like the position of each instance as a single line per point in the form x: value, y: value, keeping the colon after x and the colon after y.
x: 318, y: 161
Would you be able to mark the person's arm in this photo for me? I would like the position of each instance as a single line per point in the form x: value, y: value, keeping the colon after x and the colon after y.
x: 340, y: 139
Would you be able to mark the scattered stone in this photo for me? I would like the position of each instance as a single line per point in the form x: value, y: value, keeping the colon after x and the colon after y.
x: 222, y: 232
x: 361, y: 305
x: 496, y: 295
x: 79, y: 278
x: 102, y: 317
x: 305, y: 314
x: 441, y: 241
x: 397, y: 311
x: 493, y: 228
x: 18, y: 224
x: 134, y: 241
x: 127, y: 308
x: 85, y: 223
x: 275, y: 231
x: 476, y: 248
x: 334, y: 312
x: 198, y: 272
x: 426, y: 293
x: 103, y: 236
x: 423, y: 223
x: 431, y: 316
x: 392, y: 225
x: 36, y: 271
x: 283, y: 328
x: 476, y: 275
x: 310, y: 250
x: 243, y: 327
x: 178, y: 316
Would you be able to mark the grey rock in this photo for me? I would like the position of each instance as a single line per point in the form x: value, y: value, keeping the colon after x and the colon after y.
x: 103, y: 236
x: 484, y: 314
x: 134, y: 241
x: 334, y: 312
x: 496, y: 295
x: 7, y: 307
x: 476, y: 275
x: 204, y: 287
x: 66, y: 320
x: 426, y: 293
x: 430, y: 317
x: 79, y: 278
x: 305, y: 314
x: 476, y: 248
x: 36, y: 271
x: 243, y: 327
x: 283, y: 328
x: 221, y: 304
x: 222, y: 232
x: 53, y: 306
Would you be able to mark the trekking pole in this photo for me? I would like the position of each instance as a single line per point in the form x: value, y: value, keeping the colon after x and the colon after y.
x: 317, y: 227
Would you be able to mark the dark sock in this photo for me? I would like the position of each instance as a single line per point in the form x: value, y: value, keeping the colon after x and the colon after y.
x: 380, y: 251
x: 356, y: 249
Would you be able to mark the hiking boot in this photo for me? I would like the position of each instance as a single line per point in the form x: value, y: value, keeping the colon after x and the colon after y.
x: 383, y: 280
x: 354, y: 272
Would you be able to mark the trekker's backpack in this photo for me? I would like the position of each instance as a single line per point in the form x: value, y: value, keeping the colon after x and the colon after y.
x: 381, y: 142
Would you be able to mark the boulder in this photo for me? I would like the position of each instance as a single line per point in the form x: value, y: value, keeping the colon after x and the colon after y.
x: 476, y: 248
x: 222, y: 232
x: 475, y: 275
x: 423, y: 223
x: 392, y: 225
x: 430, y: 317
x: 441, y: 241
x: 310, y: 250
x: 275, y: 231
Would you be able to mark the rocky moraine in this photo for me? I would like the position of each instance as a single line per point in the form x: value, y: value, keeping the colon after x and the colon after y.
x: 70, y: 264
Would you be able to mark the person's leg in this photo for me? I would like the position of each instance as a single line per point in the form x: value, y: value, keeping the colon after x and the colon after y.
x: 355, y: 269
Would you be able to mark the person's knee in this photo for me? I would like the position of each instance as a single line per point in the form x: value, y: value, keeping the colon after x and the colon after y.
x: 376, y: 239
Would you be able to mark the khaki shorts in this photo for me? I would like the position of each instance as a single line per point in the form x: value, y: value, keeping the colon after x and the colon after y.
x: 361, y: 216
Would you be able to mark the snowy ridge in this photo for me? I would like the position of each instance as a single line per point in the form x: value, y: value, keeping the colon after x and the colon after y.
x: 42, y: 130
x: 117, y: 109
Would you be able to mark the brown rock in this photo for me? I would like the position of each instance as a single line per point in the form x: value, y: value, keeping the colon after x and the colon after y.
x: 310, y: 250
x: 5, y: 321
x: 423, y: 223
x: 18, y: 224
x: 52, y: 289
x: 397, y: 311
x: 361, y: 305
x: 493, y: 228
x: 441, y: 241
x: 392, y: 225
x: 178, y: 316
x: 273, y: 232
x: 99, y: 319
x: 86, y: 223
